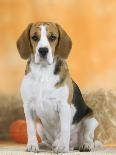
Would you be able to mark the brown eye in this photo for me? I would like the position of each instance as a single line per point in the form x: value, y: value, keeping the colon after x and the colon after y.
x: 35, y: 38
x: 52, y: 38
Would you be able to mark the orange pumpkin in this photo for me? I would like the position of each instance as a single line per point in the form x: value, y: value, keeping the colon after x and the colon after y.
x: 18, y: 132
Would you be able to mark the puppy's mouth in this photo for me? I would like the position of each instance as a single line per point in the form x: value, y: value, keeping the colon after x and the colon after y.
x: 43, y: 60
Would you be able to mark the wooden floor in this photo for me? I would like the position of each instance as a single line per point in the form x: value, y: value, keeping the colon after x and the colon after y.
x: 11, y: 148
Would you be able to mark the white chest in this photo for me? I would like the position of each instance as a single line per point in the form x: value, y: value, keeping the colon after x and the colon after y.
x: 39, y: 91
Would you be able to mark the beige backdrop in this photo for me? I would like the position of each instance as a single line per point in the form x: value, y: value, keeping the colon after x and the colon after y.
x: 91, y: 25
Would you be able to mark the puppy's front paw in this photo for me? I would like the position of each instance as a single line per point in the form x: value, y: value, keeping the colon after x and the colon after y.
x: 60, y: 147
x: 32, y: 148
x: 86, y: 147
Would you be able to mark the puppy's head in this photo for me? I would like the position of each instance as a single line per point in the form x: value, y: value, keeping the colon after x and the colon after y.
x: 44, y: 41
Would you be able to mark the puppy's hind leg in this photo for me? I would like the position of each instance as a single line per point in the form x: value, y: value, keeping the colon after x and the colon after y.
x: 88, y: 125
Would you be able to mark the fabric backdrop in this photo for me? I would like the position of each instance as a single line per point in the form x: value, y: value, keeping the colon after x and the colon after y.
x: 90, y: 23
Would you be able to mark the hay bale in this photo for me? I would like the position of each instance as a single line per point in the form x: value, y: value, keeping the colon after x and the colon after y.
x: 103, y: 104
x: 10, y: 110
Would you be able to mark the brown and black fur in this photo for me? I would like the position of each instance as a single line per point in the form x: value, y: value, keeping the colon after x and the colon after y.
x: 83, y: 110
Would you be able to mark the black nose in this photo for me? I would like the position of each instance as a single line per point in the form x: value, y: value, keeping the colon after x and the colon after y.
x: 43, y: 51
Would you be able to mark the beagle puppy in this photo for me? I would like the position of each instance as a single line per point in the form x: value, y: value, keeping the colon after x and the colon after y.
x: 50, y: 95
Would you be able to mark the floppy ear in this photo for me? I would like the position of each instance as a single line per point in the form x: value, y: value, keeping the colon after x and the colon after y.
x: 64, y: 43
x: 23, y: 43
